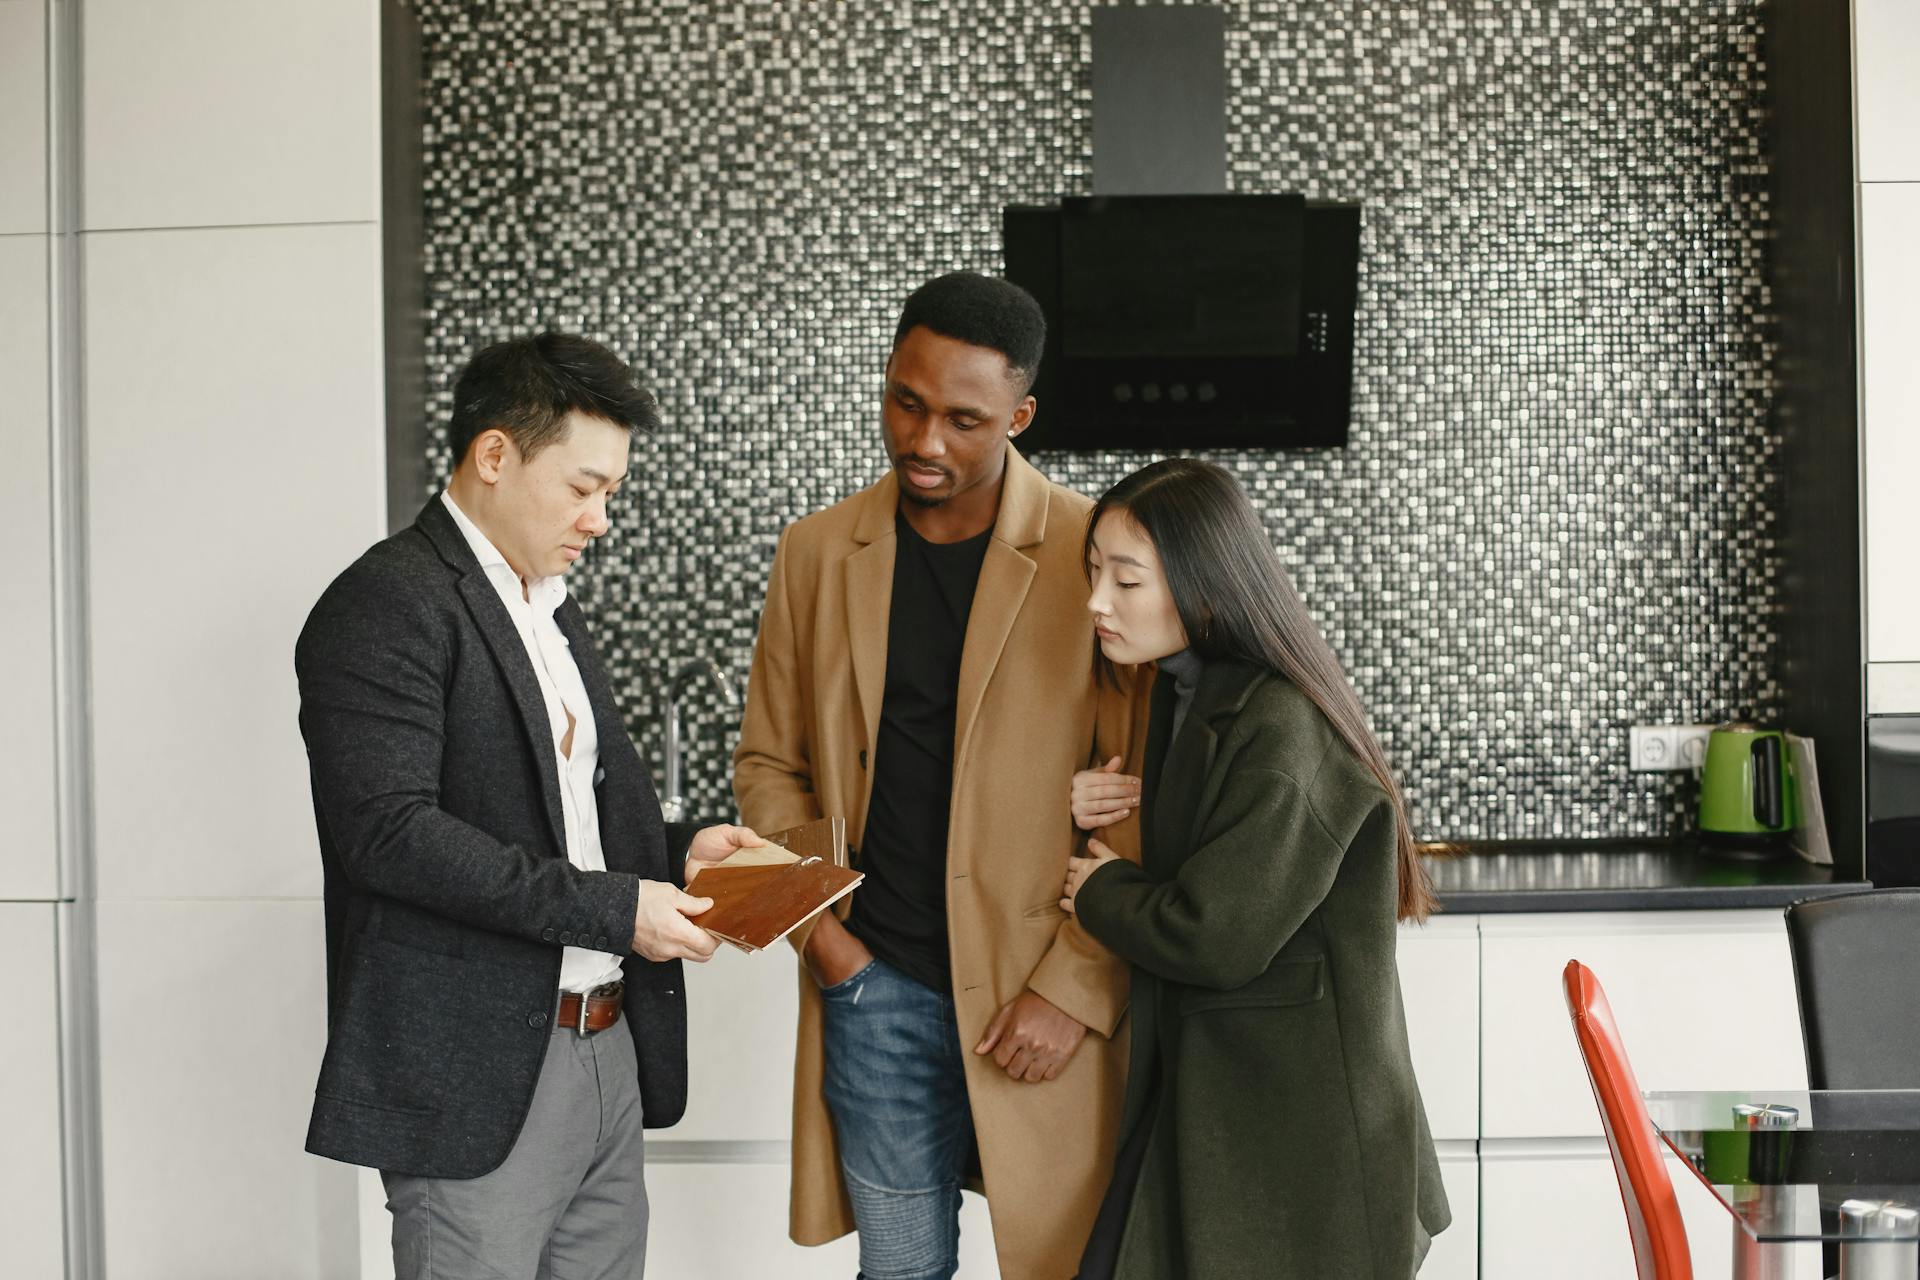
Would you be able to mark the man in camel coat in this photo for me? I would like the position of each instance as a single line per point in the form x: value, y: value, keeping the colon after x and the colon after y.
x: 924, y: 669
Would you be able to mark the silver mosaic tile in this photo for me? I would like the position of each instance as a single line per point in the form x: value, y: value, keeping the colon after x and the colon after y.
x: 1556, y: 514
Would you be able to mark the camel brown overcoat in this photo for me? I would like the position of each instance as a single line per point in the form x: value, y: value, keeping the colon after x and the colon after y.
x: 1029, y: 714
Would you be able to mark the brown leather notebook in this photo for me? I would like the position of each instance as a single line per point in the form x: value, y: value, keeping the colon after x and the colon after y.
x: 761, y: 895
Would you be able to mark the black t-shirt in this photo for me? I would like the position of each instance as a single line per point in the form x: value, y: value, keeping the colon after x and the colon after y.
x: 900, y: 911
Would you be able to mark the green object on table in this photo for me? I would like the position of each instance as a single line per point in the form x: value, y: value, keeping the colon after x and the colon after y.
x: 1747, y: 783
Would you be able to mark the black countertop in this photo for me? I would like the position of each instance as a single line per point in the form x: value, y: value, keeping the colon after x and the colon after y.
x: 1620, y: 875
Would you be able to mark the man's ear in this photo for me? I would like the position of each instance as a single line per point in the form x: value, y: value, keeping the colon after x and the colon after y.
x: 1023, y: 416
x: 490, y: 450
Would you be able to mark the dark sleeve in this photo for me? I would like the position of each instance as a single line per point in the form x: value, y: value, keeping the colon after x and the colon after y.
x: 679, y: 839
x: 1244, y: 893
x: 372, y: 711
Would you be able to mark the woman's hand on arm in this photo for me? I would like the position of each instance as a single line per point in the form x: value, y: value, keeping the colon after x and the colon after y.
x: 1078, y: 869
x: 1103, y: 796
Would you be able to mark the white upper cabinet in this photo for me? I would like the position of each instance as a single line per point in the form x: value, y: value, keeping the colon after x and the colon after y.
x: 27, y: 859
x: 1886, y: 41
x: 23, y: 116
x: 1890, y: 410
x: 235, y: 465
x: 204, y: 113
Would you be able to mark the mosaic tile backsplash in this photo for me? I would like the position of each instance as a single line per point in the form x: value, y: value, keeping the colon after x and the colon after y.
x: 1556, y: 514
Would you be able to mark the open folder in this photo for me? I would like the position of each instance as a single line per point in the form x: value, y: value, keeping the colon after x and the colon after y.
x: 761, y: 895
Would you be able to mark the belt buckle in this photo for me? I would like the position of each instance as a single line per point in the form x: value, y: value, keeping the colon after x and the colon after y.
x: 580, y: 1023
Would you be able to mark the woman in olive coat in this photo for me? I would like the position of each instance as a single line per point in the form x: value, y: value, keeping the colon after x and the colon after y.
x: 1272, y: 1125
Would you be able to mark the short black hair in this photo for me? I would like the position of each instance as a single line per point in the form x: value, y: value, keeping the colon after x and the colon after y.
x: 527, y: 386
x: 984, y: 311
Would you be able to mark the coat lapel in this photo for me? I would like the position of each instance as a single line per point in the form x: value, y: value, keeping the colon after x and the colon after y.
x: 1190, y: 786
x: 490, y: 617
x: 1176, y: 801
x: 1224, y: 691
x: 1005, y: 576
x: 869, y: 594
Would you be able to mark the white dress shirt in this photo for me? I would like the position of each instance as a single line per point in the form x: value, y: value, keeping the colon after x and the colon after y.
x: 532, y: 607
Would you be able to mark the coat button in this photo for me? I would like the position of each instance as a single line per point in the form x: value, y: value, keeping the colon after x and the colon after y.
x: 536, y: 1019
x: 546, y: 935
x: 601, y: 942
x: 566, y: 936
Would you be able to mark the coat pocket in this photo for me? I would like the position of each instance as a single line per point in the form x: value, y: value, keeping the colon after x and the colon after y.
x: 1288, y: 981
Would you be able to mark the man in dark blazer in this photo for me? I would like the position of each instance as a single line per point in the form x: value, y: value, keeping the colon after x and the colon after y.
x: 506, y: 914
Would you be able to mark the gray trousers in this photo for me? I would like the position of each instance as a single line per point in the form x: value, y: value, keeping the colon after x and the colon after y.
x: 569, y: 1203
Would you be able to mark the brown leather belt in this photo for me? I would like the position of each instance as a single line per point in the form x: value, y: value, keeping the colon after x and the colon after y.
x: 598, y: 1010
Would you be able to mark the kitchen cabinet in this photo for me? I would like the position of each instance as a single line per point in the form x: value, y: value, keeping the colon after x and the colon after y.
x: 1553, y: 1207
x: 31, y: 1204
x: 1440, y: 981
x: 28, y: 865
x: 212, y: 1023
x: 1703, y: 1000
x: 1886, y: 91
x: 23, y: 117
x: 200, y: 779
x: 206, y: 113
x: 1890, y: 412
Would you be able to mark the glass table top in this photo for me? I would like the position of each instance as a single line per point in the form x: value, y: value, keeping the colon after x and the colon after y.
x: 1837, y: 1164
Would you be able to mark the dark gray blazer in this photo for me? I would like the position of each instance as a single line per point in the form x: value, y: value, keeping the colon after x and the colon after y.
x: 448, y: 890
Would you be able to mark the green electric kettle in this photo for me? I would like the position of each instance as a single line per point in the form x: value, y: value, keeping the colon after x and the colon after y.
x: 1746, y: 784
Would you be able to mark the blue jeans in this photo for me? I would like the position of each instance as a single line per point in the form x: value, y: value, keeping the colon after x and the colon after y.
x: 896, y: 1085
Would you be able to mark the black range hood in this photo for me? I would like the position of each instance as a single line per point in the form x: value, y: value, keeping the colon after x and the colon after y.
x: 1180, y: 316
x: 1190, y: 321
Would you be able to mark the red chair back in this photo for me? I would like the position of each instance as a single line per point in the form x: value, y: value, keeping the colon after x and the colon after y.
x: 1653, y: 1214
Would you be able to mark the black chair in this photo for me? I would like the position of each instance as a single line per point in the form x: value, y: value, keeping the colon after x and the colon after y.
x: 1856, y: 964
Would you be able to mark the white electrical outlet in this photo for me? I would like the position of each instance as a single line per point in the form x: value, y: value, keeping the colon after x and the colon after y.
x: 1650, y: 747
x: 1653, y: 748
x: 1690, y: 745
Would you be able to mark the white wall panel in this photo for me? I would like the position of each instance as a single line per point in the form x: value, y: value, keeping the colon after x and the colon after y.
x: 23, y: 115
x: 28, y: 866
x: 235, y: 456
x: 1703, y: 1000
x: 212, y: 1022
x: 30, y: 1188
x: 227, y: 112
x: 1887, y: 98
x: 1890, y: 376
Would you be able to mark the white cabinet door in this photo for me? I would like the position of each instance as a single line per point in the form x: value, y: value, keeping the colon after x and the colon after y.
x: 1553, y: 1208
x: 28, y: 867
x: 1890, y: 378
x: 30, y: 1168
x: 1886, y: 51
x: 212, y: 1023
x: 234, y: 406
x: 206, y: 113
x: 1456, y: 1251
x: 1703, y: 1000
x: 1440, y: 980
x: 23, y: 118
x: 741, y: 1017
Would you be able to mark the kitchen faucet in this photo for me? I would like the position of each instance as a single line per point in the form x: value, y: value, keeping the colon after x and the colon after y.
x: 673, y: 806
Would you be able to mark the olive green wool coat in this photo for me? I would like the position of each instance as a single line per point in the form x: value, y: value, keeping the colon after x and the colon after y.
x: 1288, y: 1140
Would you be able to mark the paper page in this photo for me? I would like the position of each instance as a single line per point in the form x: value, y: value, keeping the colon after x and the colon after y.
x: 1810, y: 837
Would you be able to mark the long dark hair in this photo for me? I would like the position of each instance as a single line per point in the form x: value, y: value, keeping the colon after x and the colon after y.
x: 1236, y: 601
